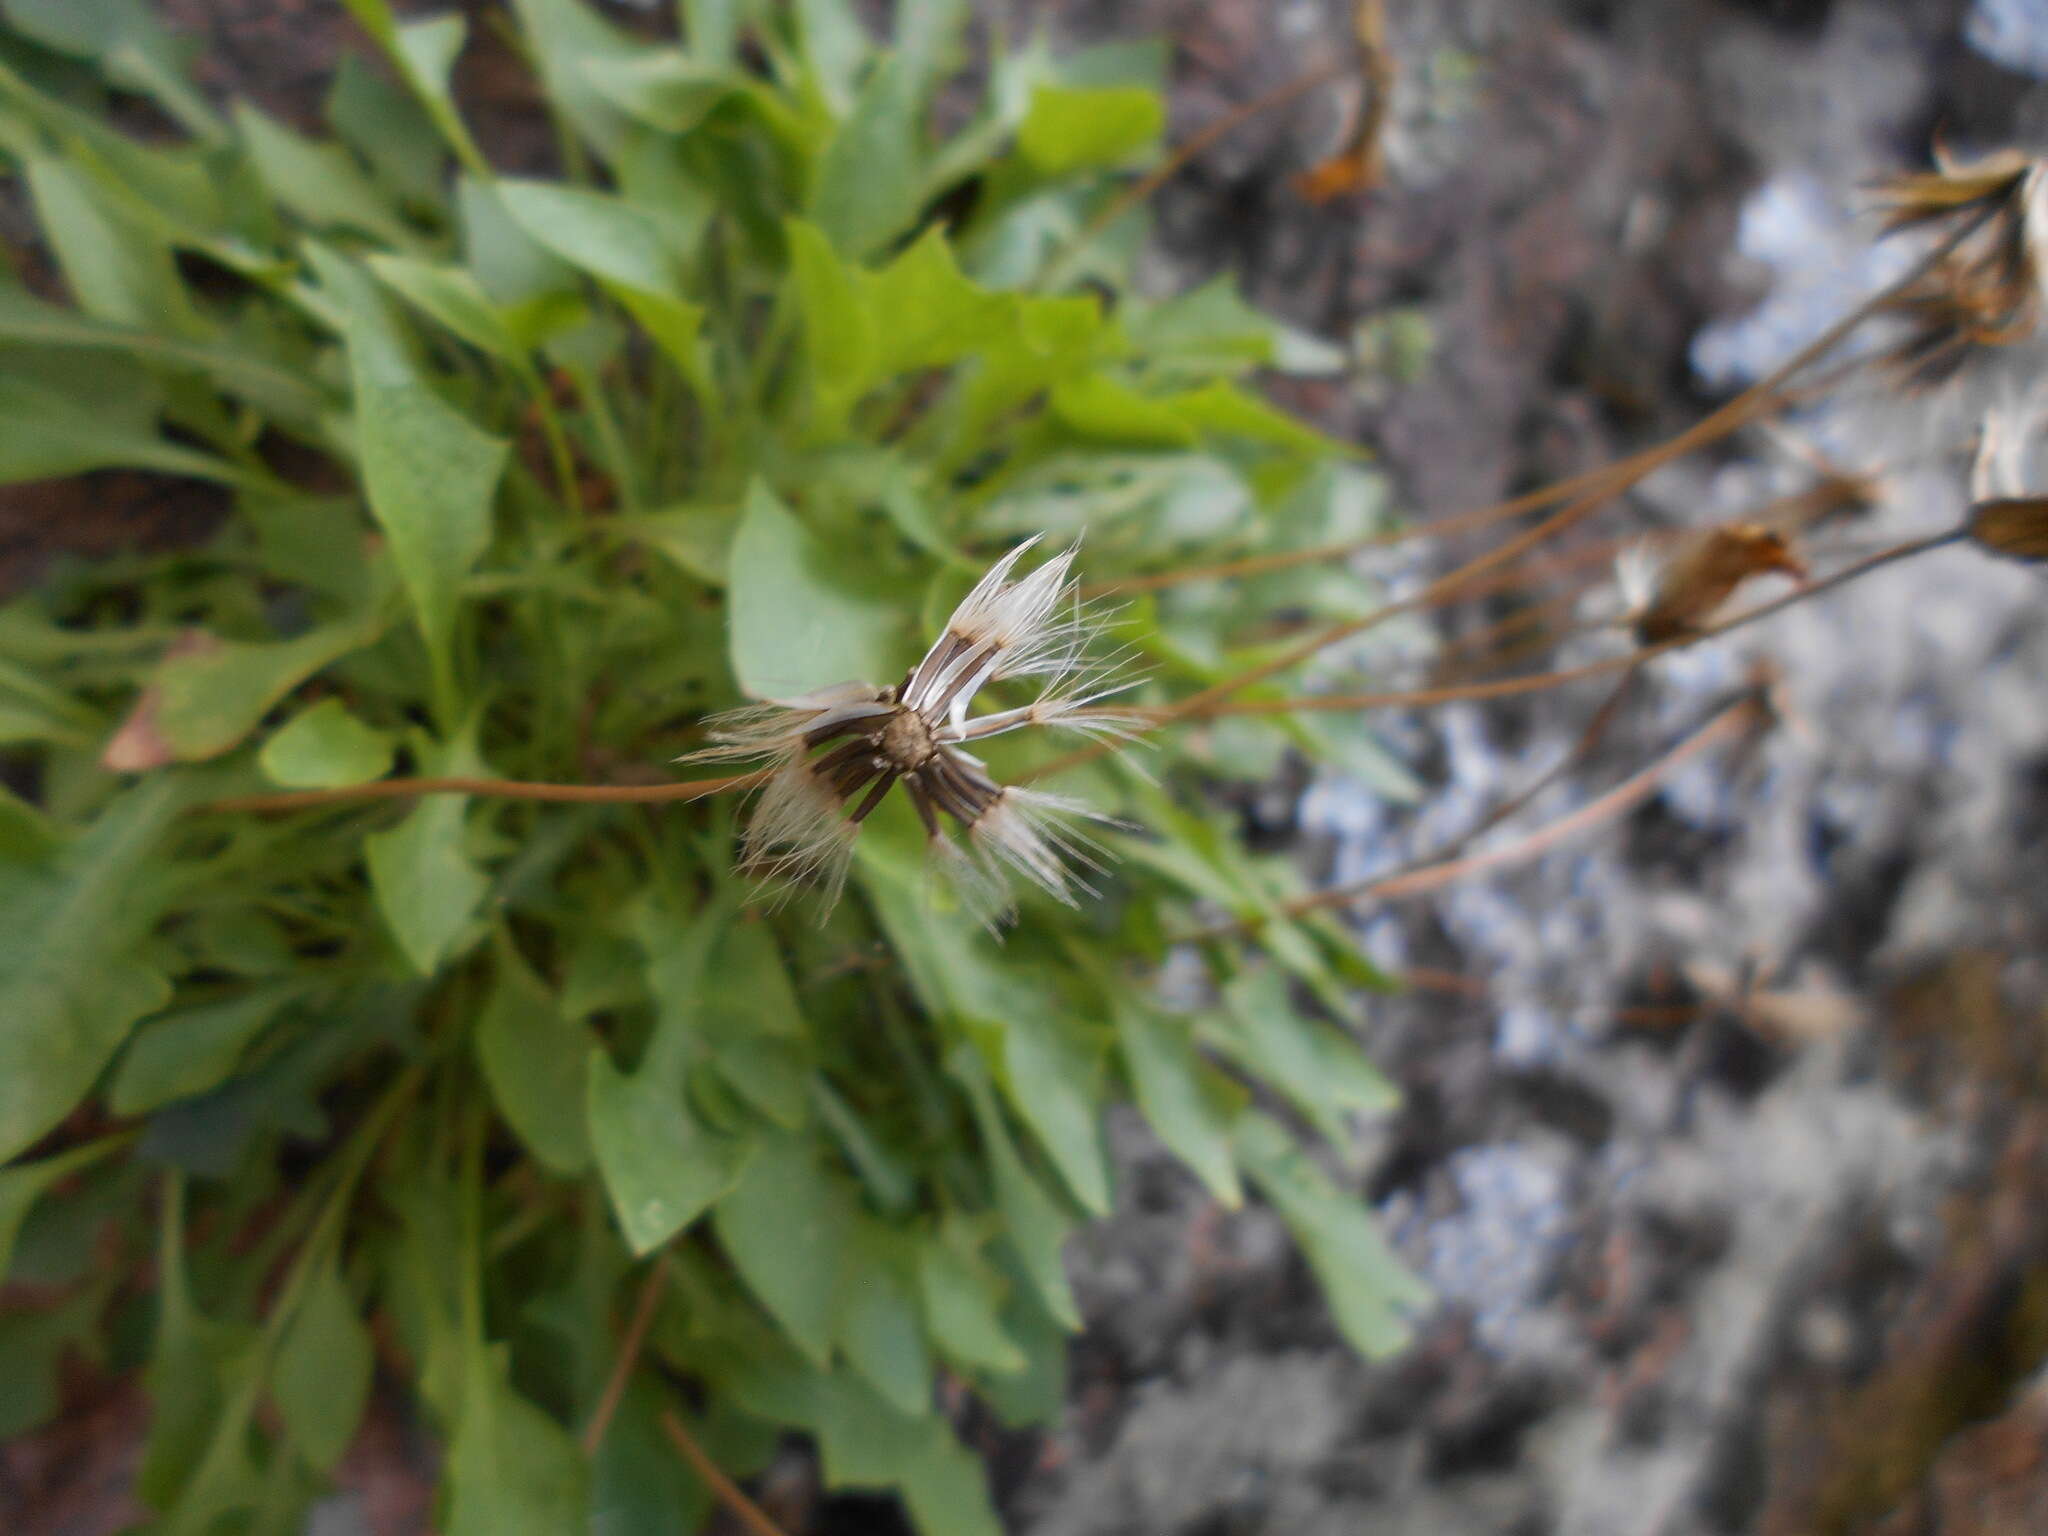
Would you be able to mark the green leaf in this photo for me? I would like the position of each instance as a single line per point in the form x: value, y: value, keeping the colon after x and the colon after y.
x: 1036, y: 1226
x: 839, y: 334
x: 21, y: 1186
x: 431, y: 474
x: 662, y: 1166
x: 1222, y: 409
x: 255, y: 377
x: 186, y: 1052
x: 947, y: 1489
x: 930, y: 40
x: 425, y: 53
x: 33, y: 1345
x: 128, y: 42
x: 1324, y: 1074
x: 537, y: 1063
x: 114, y: 269
x: 869, y: 184
x: 1075, y: 128
x: 322, y: 1376
x: 209, y: 699
x: 46, y: 431
x: 70, y: 985
x: 712, y: 28
x: 200, y: 1381
x: 963, y: 1301
x: 509, y: 264
x: 668, y: 90
x: 835, y: 46
x: 1369, y: 1289
x: 796, y: 624
x: 326, y: 747
x: 864, y: 1442
x: 452, y: 297
x: 1055, y: 1085
x: 925, y: 313
x: 639, y: 1486
x: 635, y: 252
x: 784, y: 1225
x: 697, y: 538
x: 772, y: 1075
x: 27, y: 836
x: 1101, y: 409
x: 426, y: 886
x: 879, y: 1322
x: 391, y: 130
x: 318, y: 181
x: 512, y: 1470
x: 1188, y: 1103
x: 568, y: 41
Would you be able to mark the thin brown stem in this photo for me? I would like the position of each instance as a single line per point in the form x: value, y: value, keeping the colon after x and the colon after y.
x: 1498, y: 687
x: 644, y: 1307
x: 730, y: 1494
x: 1737, y: 719
x: 1595, y: 485
x: 1537, y: 682
x: 490, y: 789
x: 1184, y: 153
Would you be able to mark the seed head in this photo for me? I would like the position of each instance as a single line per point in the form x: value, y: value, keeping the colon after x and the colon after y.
x: 1992, y: 290
x: 838, y: 752
x: 1679, y: 593
x: 2009, y: 513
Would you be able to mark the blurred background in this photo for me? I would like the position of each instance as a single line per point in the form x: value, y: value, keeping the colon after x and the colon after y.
x: 1724, y: 1146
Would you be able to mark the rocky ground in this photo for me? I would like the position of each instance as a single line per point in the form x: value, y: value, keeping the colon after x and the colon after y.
x: 1724, y: 1143
x: 1707, y: 1264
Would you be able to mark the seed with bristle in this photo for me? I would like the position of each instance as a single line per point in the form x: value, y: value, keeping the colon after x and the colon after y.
x: 2015, y: 527
x: 1992, y: 289
x: 837, y: 753
x: 1680, y: 595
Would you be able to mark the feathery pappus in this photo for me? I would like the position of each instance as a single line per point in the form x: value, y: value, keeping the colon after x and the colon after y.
x: 2009, y: 497
x: 837, y: 752
x: 1992, y: 290
x: 1679, y: 591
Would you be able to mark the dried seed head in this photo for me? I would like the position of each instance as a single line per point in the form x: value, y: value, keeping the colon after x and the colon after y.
x: 1680, y: 593
x: 838, y: 752
x: 1992, y: 290
x: 2015, y: 527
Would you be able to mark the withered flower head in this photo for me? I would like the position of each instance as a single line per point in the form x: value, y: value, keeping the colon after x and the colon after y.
x: 2008, y: 514
x: 1678, y: 593
x: 1991, y: 290
x: 838, y: 752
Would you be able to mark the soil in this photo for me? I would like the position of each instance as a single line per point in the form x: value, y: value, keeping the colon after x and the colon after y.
x: 1724, y: 1140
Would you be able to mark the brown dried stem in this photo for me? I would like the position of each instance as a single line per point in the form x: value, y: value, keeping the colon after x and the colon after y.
x: 1196, y: 144
x: 1737, y: 719
x: 730, y: 1494
x: 490, y: 789
x: 1592, y: 487
x: 644, y: 1307
x: 1499, y: 687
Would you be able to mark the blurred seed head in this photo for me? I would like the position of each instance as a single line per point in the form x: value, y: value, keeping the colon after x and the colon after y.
x: 2009, y: 511
x: 1992, y: 290
x: 837, y: 753
x: 1679, y: 591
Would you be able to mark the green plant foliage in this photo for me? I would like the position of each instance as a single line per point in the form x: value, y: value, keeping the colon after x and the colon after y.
x: 525, y: 477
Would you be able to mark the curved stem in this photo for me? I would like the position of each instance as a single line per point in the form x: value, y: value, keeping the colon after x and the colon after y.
x: 1594, y: 486
x: 1489, y: 688
x: 749, y: 1514
x: 1737, y: 719
x: 496, y: 789
x: 1180, y: 157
